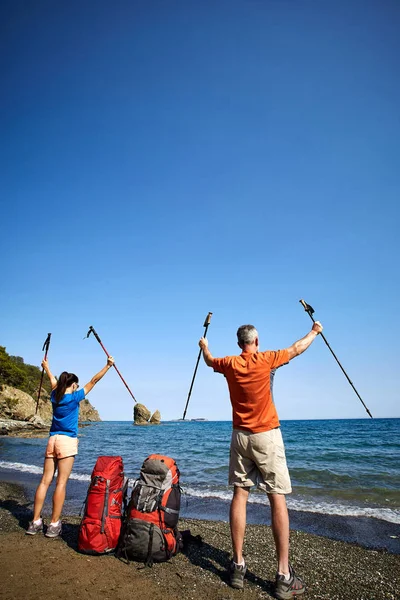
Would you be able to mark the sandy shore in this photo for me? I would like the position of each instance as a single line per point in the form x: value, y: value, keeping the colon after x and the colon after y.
x: 35, y: 567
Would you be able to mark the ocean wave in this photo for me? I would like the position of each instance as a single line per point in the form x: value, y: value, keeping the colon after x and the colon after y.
x: 33, y: 469
x: 310, y: 506
x: 212, y: 470
x: 324, y: 508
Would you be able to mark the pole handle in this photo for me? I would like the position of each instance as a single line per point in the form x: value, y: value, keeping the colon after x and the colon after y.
x: 96, y: 335
x: 308, y: 308
x: 304, y: 304
x: 46, y: 344
x: 207, y: 320
x: 45, y: 349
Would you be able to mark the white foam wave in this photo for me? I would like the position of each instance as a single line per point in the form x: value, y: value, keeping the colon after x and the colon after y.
x: 326, y: 508
x: 386, y: 514
x: 23, y: 468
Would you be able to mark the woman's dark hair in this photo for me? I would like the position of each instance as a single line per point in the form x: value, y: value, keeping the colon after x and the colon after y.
x: 65, y: 380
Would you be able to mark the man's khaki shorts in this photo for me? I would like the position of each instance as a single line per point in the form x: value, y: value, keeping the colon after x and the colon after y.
x: 259, y: 459
x: 61, y: 446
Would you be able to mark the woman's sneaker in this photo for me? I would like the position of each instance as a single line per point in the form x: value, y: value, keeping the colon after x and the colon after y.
x: 34, y: 527
x: 286, y: 589
x: 236, y: 575
x: 53, y: 530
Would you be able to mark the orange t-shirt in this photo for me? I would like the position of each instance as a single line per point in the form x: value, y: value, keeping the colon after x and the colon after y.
x: 248, y: 377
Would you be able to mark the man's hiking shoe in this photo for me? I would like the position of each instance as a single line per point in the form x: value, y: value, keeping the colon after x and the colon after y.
x: 236, y: 575
x: 288, y: 589
x: 34, y: 528
x: 53, y: 531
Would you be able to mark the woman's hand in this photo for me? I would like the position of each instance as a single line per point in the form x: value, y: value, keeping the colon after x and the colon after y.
x: 53, y: 380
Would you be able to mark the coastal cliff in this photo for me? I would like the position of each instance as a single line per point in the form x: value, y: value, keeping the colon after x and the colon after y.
x: 17, y: 411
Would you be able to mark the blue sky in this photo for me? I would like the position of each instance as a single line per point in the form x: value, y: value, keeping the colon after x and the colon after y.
x: 160, y: 160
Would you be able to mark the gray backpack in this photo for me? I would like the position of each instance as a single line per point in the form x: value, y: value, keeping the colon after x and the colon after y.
x: 150, y: 533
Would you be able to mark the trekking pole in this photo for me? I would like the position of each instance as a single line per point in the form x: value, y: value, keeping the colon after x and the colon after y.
x: 45, y: 349
x: 309, y: 309
x: 206, y: 324
x: 92, y: 330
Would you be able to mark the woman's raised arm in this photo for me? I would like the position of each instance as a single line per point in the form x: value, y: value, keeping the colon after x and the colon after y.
x: 53, y: 380
x: 89, y: 386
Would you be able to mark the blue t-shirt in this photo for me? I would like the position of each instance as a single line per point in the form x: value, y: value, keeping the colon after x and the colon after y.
x: 65, y: 413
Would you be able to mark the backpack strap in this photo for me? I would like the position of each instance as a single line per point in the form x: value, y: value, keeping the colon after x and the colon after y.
x: 170, y: 511
x: 92, y: 483
x: 125, y: 498
x: 105, y: 507
x: 149, y: 559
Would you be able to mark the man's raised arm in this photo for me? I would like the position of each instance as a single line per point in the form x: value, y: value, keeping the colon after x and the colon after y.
x: 301, y: 345
x: 208, y: 357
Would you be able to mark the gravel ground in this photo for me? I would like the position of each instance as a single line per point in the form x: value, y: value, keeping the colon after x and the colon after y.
x: 35, y: 567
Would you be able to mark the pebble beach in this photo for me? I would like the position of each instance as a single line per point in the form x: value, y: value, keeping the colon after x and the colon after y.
x: 35, y: 567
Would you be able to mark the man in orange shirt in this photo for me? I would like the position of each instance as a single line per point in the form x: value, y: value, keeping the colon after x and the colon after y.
x: 257, y: 454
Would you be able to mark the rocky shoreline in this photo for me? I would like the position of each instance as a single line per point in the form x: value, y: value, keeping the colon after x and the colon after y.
x: 35, y: 427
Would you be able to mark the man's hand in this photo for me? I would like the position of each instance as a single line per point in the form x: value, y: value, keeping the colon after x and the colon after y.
x: 208, y: 358
x: 317, y: 327
x: 203, y: 343
x: 110, y: 361
x: 45, y: 364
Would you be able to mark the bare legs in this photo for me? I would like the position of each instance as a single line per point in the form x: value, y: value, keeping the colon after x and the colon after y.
x: 64, y: 471
x: 49, y: 468
x: 64, y: 466
x: 237, y: 519
x: 280, y: 529
x: 280, y: 525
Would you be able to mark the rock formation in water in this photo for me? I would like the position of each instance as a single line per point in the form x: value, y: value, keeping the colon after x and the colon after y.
x: 156, y: 418
x: 141, y: 416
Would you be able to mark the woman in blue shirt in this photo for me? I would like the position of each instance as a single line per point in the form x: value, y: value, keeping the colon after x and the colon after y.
x: 62, y: 446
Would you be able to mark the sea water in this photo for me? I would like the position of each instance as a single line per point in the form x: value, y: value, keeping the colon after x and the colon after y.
x: 343, y: 468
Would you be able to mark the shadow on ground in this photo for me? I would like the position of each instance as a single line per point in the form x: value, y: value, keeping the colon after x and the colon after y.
x: 216, y: 561
x: 21, y: 512
x: 197, y: 551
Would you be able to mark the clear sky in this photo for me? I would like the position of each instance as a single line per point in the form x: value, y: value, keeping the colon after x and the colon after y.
x: 160, y: 160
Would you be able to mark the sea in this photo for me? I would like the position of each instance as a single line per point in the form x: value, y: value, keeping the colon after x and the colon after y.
x: 345, y: 473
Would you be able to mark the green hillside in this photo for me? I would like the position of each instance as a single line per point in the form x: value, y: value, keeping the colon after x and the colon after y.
x: 14, y: 372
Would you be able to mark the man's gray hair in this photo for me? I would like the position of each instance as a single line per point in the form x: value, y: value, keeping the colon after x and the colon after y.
x: 246, y: 334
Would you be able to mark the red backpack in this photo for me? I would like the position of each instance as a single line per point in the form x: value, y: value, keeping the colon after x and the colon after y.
x: 150, y: 531
x: 101, y: 524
